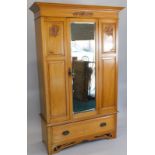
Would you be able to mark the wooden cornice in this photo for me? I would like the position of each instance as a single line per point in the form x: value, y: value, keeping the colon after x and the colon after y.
x: 37, y: 5
x: 49, y: 9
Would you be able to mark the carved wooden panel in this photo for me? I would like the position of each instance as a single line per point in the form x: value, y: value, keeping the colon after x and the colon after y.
x: 54, y: 30
x: 58, y: 92
x: 55, y: 37
x: 108, y: 84
x: 109, y: 37
x: 82, y: 13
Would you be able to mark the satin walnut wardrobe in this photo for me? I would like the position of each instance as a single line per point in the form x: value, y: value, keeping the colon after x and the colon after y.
x: 77, y: 53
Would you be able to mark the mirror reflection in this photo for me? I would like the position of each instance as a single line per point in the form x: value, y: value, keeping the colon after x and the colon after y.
x: 83, y: 66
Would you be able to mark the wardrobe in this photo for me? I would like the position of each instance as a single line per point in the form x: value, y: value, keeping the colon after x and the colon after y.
x: 77, y: 53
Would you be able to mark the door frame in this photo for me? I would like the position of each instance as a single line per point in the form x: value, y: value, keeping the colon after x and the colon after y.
x: 69, y: 65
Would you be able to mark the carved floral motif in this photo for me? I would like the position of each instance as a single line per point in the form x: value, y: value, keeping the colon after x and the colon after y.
x: 83, y: 13
x: 54, y: 30
x: 108, y: 29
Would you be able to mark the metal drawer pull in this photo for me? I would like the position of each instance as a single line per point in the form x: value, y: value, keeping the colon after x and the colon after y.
x: 65, y: 133
x: 103, y: 124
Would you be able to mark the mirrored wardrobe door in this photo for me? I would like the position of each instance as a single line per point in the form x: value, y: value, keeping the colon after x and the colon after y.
x: 82, y: 70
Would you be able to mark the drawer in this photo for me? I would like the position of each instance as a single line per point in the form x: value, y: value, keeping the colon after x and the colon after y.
x: 83, y: 128
x: 100, y: 125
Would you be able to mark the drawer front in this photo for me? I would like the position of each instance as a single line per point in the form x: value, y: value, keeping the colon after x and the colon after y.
x: 66, y: 132
x: 83, y: 128
x: 100, y: 125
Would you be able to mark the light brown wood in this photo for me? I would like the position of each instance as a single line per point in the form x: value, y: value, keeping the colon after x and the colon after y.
x: 58, y: 147
x: 72, y: 10
x: 55, y: 36
x: 41, y: 67
x: 108, y: 64
x: 58, y: 92
x: 52, y: 61
x: 61, y: 128
x: 81, y: 129
x: 108, y: 81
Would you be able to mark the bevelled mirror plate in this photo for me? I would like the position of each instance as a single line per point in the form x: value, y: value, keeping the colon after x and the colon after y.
x: 83, y: 66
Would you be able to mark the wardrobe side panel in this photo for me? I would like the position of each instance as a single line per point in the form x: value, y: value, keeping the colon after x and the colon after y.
x: 56, y: 69
x: 55, y: 37
x: 108, y: 82
x: 40, y: 61
x: 58, y: 94
x: 108, y: 58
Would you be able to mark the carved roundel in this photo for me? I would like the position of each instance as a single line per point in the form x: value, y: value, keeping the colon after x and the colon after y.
x: 54, y: 30
x: 108, y: 29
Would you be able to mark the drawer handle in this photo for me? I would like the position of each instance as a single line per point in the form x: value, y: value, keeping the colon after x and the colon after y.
x: 65, y: 133
x: 103, y: 124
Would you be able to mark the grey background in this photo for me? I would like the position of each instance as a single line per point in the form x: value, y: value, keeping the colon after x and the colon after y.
x: 33, y: 109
